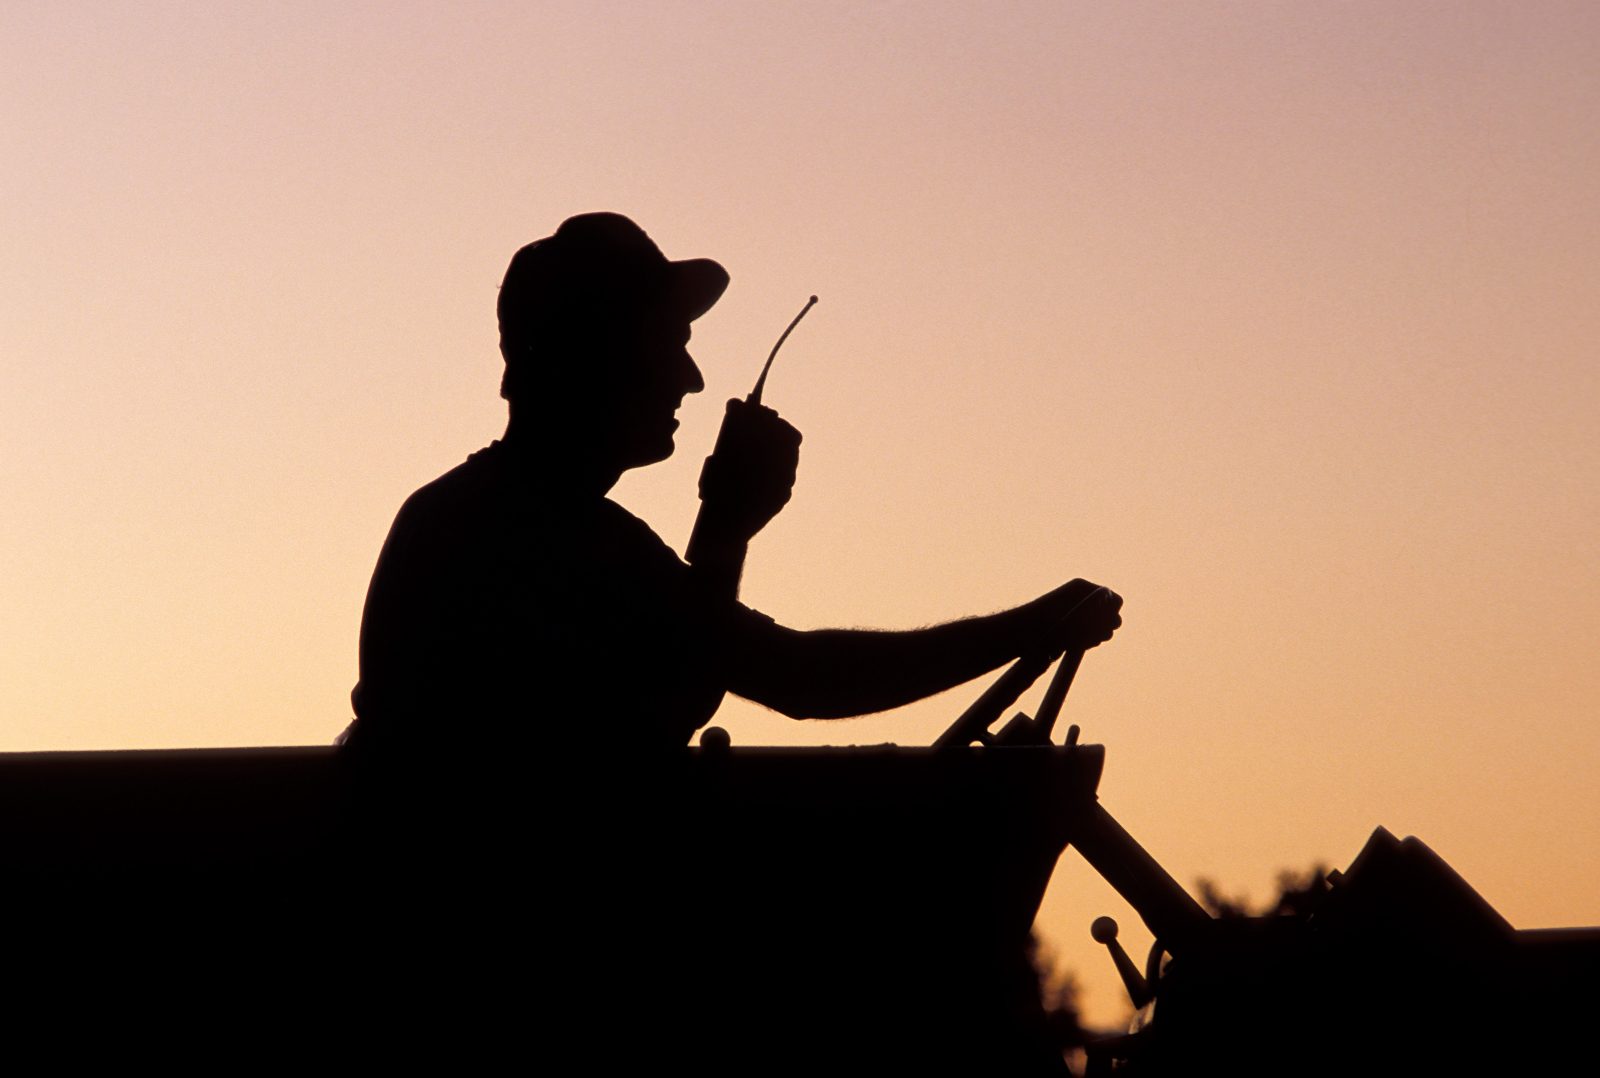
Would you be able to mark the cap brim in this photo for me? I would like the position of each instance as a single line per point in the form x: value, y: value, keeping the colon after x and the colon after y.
x: 695, y: 286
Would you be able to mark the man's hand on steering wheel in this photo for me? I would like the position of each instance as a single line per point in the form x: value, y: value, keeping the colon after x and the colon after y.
x: 1084, y: 615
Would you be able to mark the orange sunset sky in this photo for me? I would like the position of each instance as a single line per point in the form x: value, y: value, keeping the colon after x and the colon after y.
x: 1279, y: 318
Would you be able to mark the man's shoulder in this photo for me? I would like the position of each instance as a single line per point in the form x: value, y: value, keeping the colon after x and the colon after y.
x: 480, y: 476
x: 458, y: 496
x: 456, y: 509
x: 490, y: 493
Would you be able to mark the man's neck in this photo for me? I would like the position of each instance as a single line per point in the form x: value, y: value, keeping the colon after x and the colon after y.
x: 558, y: 462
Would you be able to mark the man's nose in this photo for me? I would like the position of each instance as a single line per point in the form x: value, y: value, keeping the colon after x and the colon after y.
x: 694, y: 381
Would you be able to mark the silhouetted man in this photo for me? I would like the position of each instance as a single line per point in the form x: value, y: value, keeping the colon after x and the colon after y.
x: 522, y: 632
x: 513, y: 602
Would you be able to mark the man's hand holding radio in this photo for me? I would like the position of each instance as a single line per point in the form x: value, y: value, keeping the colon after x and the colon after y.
x: 750, y: 474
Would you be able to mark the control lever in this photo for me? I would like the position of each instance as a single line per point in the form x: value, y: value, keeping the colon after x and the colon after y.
x: 1104, y: 931
x: 1022, y: 730
x: 973, y: 724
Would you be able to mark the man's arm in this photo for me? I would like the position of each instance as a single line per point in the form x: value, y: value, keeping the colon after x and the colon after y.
x: 836, y: 673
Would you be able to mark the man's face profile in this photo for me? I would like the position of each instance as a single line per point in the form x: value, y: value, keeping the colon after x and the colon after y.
x: 652, y: 371
x: 619, y: 390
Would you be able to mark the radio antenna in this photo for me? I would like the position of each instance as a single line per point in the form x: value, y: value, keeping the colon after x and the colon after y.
x: 761, y: 383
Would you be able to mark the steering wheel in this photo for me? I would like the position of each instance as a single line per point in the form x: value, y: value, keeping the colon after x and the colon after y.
x: 973, y: 724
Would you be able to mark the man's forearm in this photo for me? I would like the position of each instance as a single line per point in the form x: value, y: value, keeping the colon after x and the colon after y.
x: 834, y: 673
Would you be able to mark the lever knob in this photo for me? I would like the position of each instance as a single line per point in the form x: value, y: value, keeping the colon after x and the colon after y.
x: 1104, y: 931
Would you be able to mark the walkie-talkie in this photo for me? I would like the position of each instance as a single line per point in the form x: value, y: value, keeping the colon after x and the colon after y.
x: 710, y: 553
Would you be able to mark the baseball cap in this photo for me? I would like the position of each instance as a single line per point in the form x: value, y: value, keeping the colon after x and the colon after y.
x: 595, y: 269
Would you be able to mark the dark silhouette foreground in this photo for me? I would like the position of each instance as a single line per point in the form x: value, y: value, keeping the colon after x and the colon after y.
x: 750, y: 911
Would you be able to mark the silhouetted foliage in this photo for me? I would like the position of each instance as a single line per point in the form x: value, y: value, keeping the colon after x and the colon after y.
x: 1298, y: 894
x: 1058, y: 992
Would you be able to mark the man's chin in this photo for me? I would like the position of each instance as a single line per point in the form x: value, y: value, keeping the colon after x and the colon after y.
x: 653, y: 451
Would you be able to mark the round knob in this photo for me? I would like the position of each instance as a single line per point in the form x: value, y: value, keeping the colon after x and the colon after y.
x: 1104, y: 931
x: 715, y: 739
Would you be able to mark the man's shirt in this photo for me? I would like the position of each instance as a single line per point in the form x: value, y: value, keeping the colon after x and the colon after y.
x: 504, y: 610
